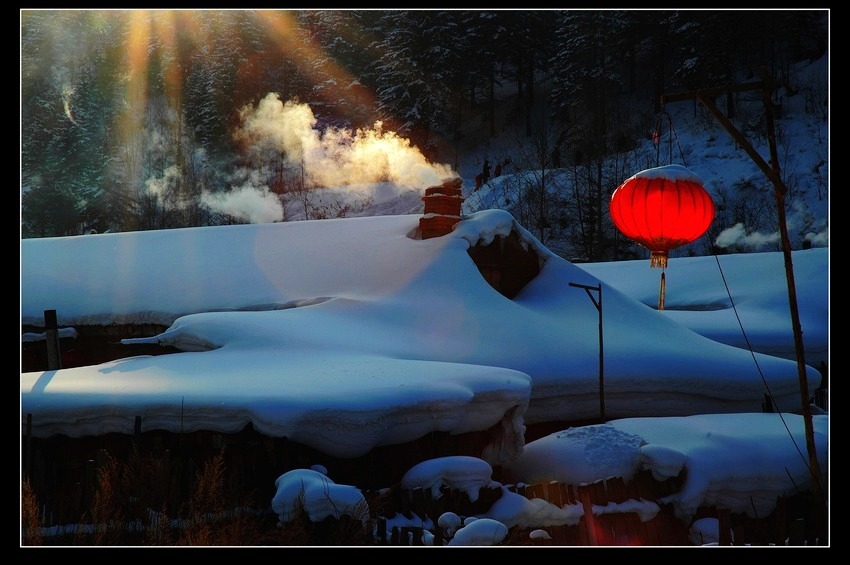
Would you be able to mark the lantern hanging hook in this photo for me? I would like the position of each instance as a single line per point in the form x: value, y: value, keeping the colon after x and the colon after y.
x: 656, y: 138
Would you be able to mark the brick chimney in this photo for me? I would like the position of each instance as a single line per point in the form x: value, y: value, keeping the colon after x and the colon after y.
x: 442, y: 208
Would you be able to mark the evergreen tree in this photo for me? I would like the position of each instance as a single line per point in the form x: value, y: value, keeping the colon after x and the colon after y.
x: 211, y: 81
x: 67, y: 110
x: 127, y: 117
x: 336, y: 46
x: 588, y: 81
x: 700, y: 59
x: 415, y: 71
x: 524, y: 53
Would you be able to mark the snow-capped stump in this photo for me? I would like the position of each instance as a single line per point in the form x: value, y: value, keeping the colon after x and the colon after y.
x: 311, y: 493
x: 483, y: 531
x: 461, y: 483
x: 449, y: 522
x: 539, y: 535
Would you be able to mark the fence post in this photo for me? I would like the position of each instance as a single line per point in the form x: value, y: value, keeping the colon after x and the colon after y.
x: 28, y: 447
x: 382, y: 531
x: 724, y: 524
x: 589, y: 518
x: 553, y: 494
x: 51, y: 334
x: 797, y: 532
x: 406, y: 504
x: 418, y: 505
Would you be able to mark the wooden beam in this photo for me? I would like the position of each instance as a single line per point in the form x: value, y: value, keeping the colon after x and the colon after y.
x: 771, y: 171
x: 709, y: 92
x: 744, y: 143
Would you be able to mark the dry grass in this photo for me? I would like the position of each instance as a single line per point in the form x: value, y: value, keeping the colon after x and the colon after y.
x: 155, y: 499
x: 130, y: 507
x: 108, y: 515
x: 211, y: 518
x: 30, y: 519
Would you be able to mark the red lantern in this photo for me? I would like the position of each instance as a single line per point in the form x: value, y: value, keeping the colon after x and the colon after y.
x: 662, y: 209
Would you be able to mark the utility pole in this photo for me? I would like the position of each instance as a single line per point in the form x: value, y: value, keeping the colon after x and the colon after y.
x: 771, y: 171
x: 598, y: 305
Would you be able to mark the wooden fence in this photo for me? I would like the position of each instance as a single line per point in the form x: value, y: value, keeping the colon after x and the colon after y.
x: 797, y: 520
x: 64, y: 473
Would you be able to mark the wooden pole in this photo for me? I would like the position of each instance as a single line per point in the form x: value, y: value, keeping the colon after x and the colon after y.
x: 771, y: 171
x: 598, y: 305
x: 779, y: 193
x: 601, y: 358
x: 51, y: 334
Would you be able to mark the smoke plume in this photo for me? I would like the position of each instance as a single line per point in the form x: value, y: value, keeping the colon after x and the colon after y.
x: 737, y: 236
x: 337, y: 156
x: 255, y: 205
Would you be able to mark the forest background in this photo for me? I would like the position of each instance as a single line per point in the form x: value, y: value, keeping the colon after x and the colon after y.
x: 137, y: 120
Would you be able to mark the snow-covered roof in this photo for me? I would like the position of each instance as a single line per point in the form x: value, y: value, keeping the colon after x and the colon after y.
x: 359, y: 329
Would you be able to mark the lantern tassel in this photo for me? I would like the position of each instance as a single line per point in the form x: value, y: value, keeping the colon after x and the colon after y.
x: 661, y: 292
x: 658, y: 259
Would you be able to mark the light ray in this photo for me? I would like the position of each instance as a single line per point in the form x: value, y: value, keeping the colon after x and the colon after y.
x: 314, y: 62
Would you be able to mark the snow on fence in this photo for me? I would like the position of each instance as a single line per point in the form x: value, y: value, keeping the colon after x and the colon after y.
x: 66, y: 470
x: 796, y: 521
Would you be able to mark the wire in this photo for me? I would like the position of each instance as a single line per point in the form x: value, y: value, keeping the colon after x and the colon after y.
x: 656, y: 138
x: 755, y: 361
